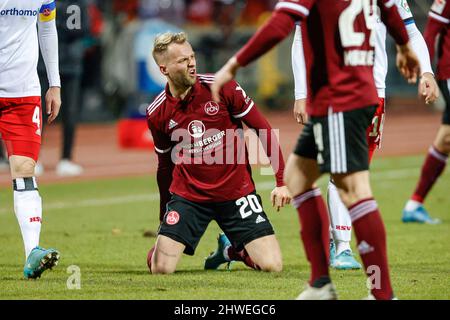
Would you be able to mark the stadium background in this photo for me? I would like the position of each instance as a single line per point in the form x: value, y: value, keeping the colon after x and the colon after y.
x: 96, y: 217
x: 119, y: 80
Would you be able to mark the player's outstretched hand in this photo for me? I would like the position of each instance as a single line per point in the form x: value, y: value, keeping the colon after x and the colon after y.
x: 280, y: 197
x: 300, y: 114
x: 224, y: 75
x: 428, y: 88
x: 53, y: 103
x: 407, y: 63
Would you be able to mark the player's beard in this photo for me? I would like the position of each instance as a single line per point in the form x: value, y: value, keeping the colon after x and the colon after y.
x: 184, y: 80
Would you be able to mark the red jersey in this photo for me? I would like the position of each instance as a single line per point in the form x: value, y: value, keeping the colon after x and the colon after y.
x: 206, y: 142
x: 439, y: 24
x: 339, y: 48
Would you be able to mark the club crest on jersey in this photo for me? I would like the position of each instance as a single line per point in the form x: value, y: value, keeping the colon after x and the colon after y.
x: 196, y: 129
x: 211, y: 108
x: 172, y: 218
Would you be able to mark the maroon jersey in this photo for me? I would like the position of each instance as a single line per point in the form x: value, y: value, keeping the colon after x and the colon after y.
x: 338, y: 46
x: 439, y: 24
x: 206, y: 142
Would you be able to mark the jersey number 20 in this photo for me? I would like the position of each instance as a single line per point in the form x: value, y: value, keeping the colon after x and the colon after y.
x: 250, y: 200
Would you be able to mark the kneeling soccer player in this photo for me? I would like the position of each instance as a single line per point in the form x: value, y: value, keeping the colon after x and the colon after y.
x: 203, y: 168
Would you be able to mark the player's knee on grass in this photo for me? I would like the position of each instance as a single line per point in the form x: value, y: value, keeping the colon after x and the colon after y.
x: 271, y: 263
x: 166, y: 255
x: 22, y: 167
x: 265, y: 252
x: 162, y: 267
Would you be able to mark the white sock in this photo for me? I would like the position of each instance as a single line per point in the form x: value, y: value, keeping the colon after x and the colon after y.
x: 28, y: 209
x: 342, y: 246
x: 412, y: 205
x: 341, y: 223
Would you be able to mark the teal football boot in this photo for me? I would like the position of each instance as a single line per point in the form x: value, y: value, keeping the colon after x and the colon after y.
x: 345, y: 261
x: 38, y: 261
x: 420, y: 215
x: 216, y: 258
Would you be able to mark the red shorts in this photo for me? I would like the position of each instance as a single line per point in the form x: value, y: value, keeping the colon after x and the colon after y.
x: 20, y: 125
x: 375, y: 130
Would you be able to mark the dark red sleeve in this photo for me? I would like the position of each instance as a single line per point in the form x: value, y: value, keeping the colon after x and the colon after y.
x: 394, y: 23
x: 255, y: 120
x: 243, y: 108
x: 272, y: 32
x: 165, y: 165
x: 164, y: 179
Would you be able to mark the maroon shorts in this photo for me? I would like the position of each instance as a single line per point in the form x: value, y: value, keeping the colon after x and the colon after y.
x: 20, y: 125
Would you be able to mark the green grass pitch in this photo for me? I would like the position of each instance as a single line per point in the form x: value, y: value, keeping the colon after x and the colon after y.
x: 99, y: 225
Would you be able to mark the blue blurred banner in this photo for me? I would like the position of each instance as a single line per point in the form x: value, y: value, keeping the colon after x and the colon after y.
x: 150, y: 79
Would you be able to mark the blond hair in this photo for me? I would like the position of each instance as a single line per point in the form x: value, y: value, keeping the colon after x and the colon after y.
x: 163, y: 41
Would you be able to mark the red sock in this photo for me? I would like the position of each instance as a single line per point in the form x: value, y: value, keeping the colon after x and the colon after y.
x: 432, y: 168
x: 371, y: 239
x: 242, y: 256
x: 315, y: 233
x: 372, y: 148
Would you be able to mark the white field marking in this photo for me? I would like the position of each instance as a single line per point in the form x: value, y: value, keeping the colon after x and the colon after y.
x: 385, y: 175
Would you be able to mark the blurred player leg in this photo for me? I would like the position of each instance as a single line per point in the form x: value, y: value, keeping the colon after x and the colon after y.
x: 21, y: 129
x: 300, y: 176
x: 69, y: 117
x: 345, y: 155
x: 339, y: 216
x: 432, y: 168
x: 369, y: 229
x: 341, y: 225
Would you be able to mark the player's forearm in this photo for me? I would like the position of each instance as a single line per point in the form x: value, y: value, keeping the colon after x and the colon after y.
x: 255, y: 120
x: 420, y: 48
x: 298, y: 65
x: 393, y: 22
x: 272, y: 32
x: 48, y: 41
x: 164, y: 180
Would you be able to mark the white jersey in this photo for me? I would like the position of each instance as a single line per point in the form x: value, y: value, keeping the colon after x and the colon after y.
x: 380, y: 67
x: 19, y: 46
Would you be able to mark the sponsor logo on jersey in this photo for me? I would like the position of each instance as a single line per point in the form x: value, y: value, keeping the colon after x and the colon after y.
x: 172, y: 218
x: 19, y: 12
x: 196, y: 129
x: 211, y: 108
